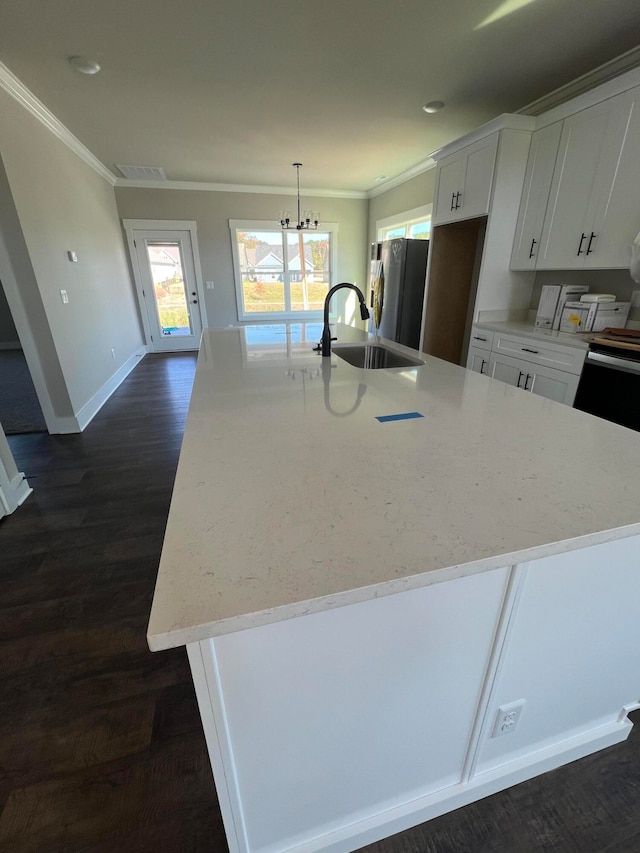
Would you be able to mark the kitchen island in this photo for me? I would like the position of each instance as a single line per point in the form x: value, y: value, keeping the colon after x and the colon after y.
x: 390, y: 617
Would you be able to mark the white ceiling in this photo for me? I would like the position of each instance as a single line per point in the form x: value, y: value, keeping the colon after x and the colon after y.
x: 234, y: 93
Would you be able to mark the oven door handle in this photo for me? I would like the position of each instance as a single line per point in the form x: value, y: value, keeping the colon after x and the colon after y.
x: 613, y: 362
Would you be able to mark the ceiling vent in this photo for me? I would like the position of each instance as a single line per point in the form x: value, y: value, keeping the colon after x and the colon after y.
x: 142, y: 173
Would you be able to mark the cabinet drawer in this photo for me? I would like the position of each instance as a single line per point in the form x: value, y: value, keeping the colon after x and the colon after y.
x: 556, y: 356
x: 481, y: 338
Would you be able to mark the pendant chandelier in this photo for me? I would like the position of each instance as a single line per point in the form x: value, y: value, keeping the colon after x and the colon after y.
x: 308, y: 221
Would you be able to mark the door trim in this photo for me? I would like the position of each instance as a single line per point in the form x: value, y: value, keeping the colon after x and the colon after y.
x: 131, y: 225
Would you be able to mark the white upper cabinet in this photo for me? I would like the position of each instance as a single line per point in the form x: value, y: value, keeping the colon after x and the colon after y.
x: 587, y: 172
x: 464, y: 181
x: 535, y: 194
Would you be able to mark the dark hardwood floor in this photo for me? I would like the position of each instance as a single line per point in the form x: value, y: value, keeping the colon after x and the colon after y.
x: 101, y: 746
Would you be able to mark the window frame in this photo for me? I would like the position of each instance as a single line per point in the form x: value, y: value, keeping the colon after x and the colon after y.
x: 405, y: 219
x: 236, y: 225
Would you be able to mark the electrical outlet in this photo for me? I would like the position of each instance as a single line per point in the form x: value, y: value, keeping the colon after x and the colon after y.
x: 507, y: 718
x: 64, y: 296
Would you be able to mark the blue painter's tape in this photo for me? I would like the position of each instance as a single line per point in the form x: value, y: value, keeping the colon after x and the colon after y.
x: 405, y: 416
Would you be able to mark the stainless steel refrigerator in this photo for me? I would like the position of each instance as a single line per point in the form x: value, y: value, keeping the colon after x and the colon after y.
x: 398, y: 289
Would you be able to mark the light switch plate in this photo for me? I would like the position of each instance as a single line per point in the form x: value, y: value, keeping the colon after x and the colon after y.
x: 72, y: 257
x: 64, y: 296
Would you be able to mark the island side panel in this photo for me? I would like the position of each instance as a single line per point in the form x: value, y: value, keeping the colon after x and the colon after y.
x: 572, y: 655
x: 319, y: 723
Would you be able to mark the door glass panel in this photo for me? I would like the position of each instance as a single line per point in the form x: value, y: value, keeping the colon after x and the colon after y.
x: 171, y: 300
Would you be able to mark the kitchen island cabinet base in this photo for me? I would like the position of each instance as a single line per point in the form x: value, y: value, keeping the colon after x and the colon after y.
x: 333, y: 730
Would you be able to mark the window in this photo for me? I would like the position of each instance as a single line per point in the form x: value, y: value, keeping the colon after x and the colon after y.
x: 281, y: 274
x: 415, y: 224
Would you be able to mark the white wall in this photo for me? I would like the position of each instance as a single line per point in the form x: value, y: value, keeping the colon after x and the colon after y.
x: 212, y: 212
x: 412, y: 193
x: 62, y: 204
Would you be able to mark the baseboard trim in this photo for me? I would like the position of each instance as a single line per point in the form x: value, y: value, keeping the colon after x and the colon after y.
x: 16, y: 494
x: 90, y: 409
x: 399, y: 818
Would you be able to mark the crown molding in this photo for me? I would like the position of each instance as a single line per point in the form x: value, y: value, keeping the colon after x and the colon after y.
x: 402, y: 178
x: 602, y: 74
x: 506, y: 121
x: 10, y: 83
x: 204, y: 186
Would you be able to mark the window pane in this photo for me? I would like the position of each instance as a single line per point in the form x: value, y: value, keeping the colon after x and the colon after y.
x: 260, y: 252
x: 420, y: 230
x: 308, y: 292
x: 308, y: 258
x: 392, y: 233
x: 263, y: 292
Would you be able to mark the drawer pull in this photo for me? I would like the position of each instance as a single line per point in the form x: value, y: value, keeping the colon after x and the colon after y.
x: 582, y: 239
x: 533, y: 243
x: 478, y: 338
x: 534, y: 351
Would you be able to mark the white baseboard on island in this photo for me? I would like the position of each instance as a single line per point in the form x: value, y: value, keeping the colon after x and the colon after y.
x: 392, y: 821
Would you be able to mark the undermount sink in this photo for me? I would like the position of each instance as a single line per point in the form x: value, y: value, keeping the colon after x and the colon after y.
x: 374, y: 356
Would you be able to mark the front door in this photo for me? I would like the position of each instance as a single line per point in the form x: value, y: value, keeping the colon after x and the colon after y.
x: 167, y: 289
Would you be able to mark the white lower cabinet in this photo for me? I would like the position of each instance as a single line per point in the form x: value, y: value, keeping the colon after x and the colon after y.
x: 550, y: 370
x: 545, y: 381
x: 478, y: 360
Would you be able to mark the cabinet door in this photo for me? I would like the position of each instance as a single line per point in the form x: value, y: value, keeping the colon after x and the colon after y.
x: 544, y: 381
x: 478, y: 360
x: 589, y: 150
x: 478, y: 178
x: 465, y: 180
x: 450, y: 182
x: 535, y: 194
x: 553, y: 384
x: 512, y: 371
x: 617, y: 220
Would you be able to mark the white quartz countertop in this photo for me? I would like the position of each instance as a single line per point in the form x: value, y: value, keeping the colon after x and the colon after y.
x: 292, y: 498
x: 526, y: 329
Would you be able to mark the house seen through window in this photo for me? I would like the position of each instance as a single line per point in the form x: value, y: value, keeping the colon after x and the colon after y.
x: 281, y: 274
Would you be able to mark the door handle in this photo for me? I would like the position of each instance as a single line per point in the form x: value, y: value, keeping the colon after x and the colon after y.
x: 533, y: 243
x: 520, y: 375
x: 589, y: 250
x: 484, y: 361
x: 195, y: 301
x: 526, y: 380
x: 582, y: 239
x: 453, y: 195
x: 458, y: 200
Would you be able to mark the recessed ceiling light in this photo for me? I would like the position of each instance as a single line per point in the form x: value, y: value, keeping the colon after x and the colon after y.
x: 84, y: 65
x: 433, y: 106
